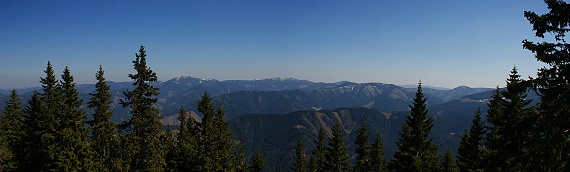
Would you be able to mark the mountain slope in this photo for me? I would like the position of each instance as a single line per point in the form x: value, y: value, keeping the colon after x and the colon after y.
x: 452, y: 94
x: 276, y: 135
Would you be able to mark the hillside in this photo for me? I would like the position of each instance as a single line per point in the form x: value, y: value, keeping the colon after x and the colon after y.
x: 276, y: 135
x: 267, y: 96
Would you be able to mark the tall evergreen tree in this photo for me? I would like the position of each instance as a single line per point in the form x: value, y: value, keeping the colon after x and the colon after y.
x: 32, y: 153
x: 257, y: 162
x: 448, y: 163
x: 362, y: 148
x: 552, y: 149
x: 300, y: 158
x: 72, y: 152
x: 104, y: 136
x: 471, y: 149
x: 144, y: 125
x: 416, y: 152
x: 317, y: 161
x: 215, y: 147
x: 185, y: 150
x: 12, y: 120
x: 509, y: 127
x: 377, y: 160
x: 239, y: 159
x: 337, y: 154
x: 11, y: 129
x: 42, y: 120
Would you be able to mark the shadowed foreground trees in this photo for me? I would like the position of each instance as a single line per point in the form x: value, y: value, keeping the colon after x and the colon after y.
x: 553, y: 85
x: 416, y: 152
x: 52, y: 133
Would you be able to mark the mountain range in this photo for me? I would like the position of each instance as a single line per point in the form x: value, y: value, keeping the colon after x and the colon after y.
x: 274, y: 95
x: 271, y: 114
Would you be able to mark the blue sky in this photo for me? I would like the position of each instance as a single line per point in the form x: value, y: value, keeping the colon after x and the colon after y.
x: 445, y: 43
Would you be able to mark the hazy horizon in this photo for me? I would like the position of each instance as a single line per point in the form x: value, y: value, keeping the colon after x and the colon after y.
x: 401, y: 85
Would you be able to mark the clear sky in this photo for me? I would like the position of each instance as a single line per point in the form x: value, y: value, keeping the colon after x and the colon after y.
x: 445, y: 43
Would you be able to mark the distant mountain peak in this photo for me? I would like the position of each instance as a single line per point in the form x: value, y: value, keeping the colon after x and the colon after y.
x: 463, y: 87
x: 178, y: 78
x: 278, y: 79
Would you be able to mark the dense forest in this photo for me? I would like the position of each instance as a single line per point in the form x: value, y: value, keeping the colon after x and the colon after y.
x: 52, y: 132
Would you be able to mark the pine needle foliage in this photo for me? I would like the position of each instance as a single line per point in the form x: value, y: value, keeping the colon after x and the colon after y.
x: 104, y: 135
x: 416, y: 151
x: 144, y: 128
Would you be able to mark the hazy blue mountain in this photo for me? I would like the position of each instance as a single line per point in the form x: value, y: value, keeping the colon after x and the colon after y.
x: 414, y: 86
x: 272, y: 95
x: 452, y: 94
x: 386, y: 97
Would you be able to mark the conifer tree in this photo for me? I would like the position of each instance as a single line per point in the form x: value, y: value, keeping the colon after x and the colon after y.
x: 168, y: 145
x: 471, y: 149
x: 300, y: 158
x: 5, y: 156
x: 225, y: 146
x: 362, y: 148
x: 42, y: 122
x: 416, y: 152
x: 32, y: 153
x: 11, y: 129
x: 377, y: 160
x: 104, y: 136
x: 317, y: 161
x: 448, y: 165
x: 257, y: 162
x: 239, y: 159
x: 12, y: 119
x: 337, y: 154
x: 144, y: 125
x: 215, y: 147
x: 509, y: 127
x: 185, y: 149
x: 551, y: 152
x: 72, y: 152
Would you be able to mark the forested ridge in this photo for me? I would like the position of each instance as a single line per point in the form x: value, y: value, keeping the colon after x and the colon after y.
x: 51, y: 132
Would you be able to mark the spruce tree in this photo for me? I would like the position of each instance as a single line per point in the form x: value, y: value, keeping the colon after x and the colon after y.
x: 337, y: 154
x: 257, y: 162
x: 11, y: 129
x: 144, y: 127
x: 5, y: 156
x: 215, y: 148
x: 362, y: 148
x: 317, y: 161
x: 300, y: 158
x: 471, y: 149
x: 377, y: 160
x: 103, y: 135
x: 448, y: 163
x: 551, y: 151
x: 183, y: 157
x: 72, y: 152
x: 168, y: 145
x: 32, y: 152
x: 416, y: 152
x: 509, y: 127
x: 239, y: 159
x: 43, y: 120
